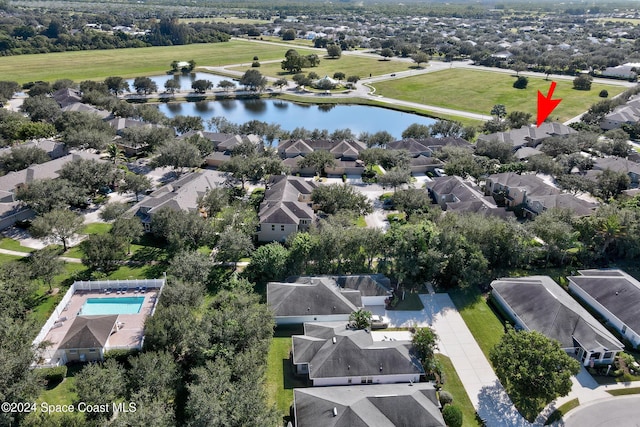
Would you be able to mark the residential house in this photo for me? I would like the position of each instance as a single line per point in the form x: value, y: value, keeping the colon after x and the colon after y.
x: 513, y: 189
x: 422, y: 151
x: 627, y: 71
x: 345, y: 153
x: 286, y: 208
x: 613, y: 294
x: 223, y: 145
x: 311, y: 299
x: 374, y: 289
x: 628, y: 113
x: 332, y: 354
x: 71, y: 100
x: 11, y: 209
x: 452, y: 193
x: 87, y: 338
x: 53, y: 148
x: 528, y: 136
x: 535, y: 205
x: 380, y: 405
x: 181, y: 194
x: 537, y: 303
x: 617, y: 164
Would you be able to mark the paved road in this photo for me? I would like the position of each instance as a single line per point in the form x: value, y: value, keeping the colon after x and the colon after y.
x: 620, y: 411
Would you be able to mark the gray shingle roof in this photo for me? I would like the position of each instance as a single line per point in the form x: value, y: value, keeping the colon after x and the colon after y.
x: 380, y: 405
x: 545, y: 307
x: 615, y: 290
x: 318, y: 296
x: 351, y: 353
x: 89, y: 332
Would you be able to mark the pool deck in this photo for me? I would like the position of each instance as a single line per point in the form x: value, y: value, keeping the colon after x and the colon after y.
x: 129, y: 335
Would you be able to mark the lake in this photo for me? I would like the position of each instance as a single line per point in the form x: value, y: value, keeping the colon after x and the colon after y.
x: 290, y: 115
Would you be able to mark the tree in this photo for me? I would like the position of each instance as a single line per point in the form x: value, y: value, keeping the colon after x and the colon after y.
x: 144, y: 85
x: 45, y: 195
x: 45, y: 265
x: 289, y: 34
x: 339, y: 75
x: 22, y: 157
x: 416, y: 131
x: 336, y: 197
x: 115, y: 154
x: 521, y: 82
x: 293, y: 62
x: 113, y: 210
x: 425, y: 342
x: 58, y: 225
x: 334, y: 51
x: 554, y: 227
x: 127, y: 229
x: 387, y: 53
x: 280, y: 83
x: 499, y: 111
x: 201, y: 86
x: 412, y: 201
x: 452, y: 416
x: 172, y: 86
x: 182, y: 230
x: 353, y: 79
x: 192, y: 267
x: 517, y: 119
x: 233, y: 245
x: 495, y: 149
x: 116, y: 85
x: 179, y: 154
x: 533, y: 369
x: 99, y: 384
x: 447, y: 129
x: 226, y: 85
x: 253, y: 80
x: 268, y: 263
x: 137, y: 184
x: 103, y: 252
x: 184, y: 124
x: 582, y: 82
x: 360, y: 319
x: 313, y: 60
x: 90, y: 175
x: 611, y: 183
x: 395, y: 178
x: 318, y: 160
x: 41, y: 109
x: 420, y: 58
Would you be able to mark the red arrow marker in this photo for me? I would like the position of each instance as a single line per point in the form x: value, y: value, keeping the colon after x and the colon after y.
x: 546, y: 105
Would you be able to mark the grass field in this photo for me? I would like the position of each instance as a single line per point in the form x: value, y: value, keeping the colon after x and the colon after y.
x: 481, y: 320
x: 454, y: 386
x: 624, y: 391
x: 561, y: 411
x: 100, y: 64
x: 13, y: 245
x: 349, y: 65
x: 478, y: 91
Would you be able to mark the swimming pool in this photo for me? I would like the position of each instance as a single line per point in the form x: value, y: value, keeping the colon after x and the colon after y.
x: 122, y: 305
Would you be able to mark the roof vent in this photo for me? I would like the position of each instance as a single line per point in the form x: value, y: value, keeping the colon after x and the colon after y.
x: 335, y: 411
x: 334, y: 340
x: 381, y: 367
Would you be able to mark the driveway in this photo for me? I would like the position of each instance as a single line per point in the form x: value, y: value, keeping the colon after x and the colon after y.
x: 456, y: 341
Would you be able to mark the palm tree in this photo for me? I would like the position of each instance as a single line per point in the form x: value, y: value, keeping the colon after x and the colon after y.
x: 115, y: 154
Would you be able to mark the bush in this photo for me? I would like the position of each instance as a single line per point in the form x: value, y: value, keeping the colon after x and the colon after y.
x: 53, y: 375
x: 452, y: 416
x: 255, y: 64
x: 603, y: 93
x: 120, y: 355
x: 445, y: 398
x: 255, y: 58
x: 582, y: 82
x: 521, y: 82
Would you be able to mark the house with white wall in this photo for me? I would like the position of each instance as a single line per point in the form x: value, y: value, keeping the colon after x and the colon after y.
x: 615, y: 295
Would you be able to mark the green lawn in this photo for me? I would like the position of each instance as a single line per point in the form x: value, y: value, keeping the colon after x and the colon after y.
x: 480, y: 319
x: 561, y: 411
x: 624, y: 391
x: 453, y: 385
x: 13, y: 245
x: 411, y: 302
x: 96, y: 228
x: 478, y: 91
x: 349, y: 65
x: 280, y: 378
x: 100, y: 64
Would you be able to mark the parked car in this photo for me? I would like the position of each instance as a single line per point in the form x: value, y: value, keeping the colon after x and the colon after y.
x: 379, y: 322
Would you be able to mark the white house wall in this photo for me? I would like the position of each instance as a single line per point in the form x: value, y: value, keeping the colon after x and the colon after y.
x: 375, y: 379
x: 616, y: 323
x: 266, y: 234
x: 373, y: 300
x: 296, y: 320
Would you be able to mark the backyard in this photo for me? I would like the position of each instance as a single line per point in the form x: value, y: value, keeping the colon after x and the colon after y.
x: 478, y: 91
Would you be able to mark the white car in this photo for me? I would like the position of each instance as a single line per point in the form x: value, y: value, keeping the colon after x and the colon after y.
x: 379, y: 322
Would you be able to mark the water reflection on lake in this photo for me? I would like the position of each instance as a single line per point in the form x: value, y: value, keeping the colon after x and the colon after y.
x: 185, y: 80
x: 290, y: 115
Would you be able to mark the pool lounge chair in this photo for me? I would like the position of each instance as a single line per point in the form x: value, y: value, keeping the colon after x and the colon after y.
x: 144, y: 289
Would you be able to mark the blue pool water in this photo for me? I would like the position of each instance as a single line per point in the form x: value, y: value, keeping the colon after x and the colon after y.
x: 122, y: 305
